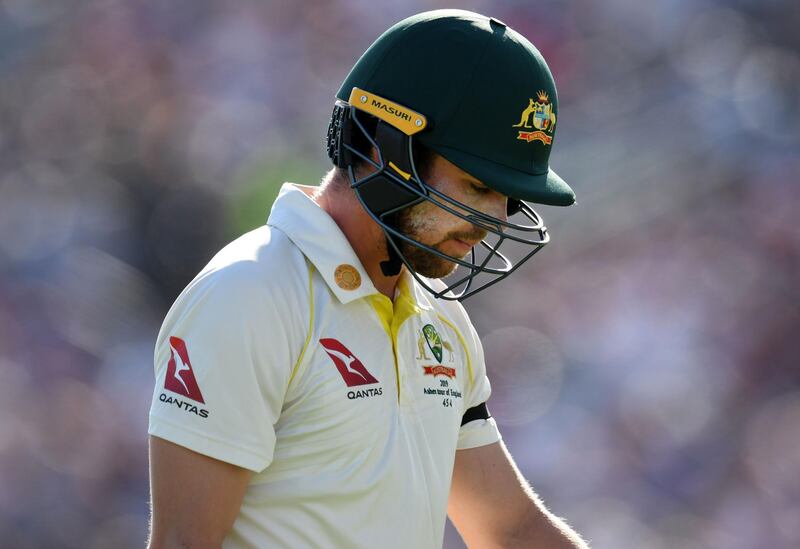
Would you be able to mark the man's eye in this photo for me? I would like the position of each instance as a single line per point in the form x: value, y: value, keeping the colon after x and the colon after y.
x: 479, y: 189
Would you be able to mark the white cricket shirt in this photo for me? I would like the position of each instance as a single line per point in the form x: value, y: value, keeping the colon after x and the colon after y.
x: 281, y: 357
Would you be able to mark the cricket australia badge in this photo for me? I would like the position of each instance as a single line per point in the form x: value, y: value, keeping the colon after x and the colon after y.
x: 430, y: 339
x: 538, y: 116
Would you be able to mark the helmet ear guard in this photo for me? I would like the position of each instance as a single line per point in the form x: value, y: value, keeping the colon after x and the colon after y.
x: 351, y: 138
x: 383, y: 191
x: 339, y: 132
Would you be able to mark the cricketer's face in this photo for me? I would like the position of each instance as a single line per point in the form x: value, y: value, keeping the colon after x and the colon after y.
x: 431, y: 225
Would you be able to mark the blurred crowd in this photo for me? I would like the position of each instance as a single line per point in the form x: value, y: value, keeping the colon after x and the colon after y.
x: 643, y: 367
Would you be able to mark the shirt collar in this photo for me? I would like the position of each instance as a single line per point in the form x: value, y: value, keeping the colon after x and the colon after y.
x: 321, y: 241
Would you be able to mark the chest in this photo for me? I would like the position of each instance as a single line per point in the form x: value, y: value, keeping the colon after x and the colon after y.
x: 363, y: 381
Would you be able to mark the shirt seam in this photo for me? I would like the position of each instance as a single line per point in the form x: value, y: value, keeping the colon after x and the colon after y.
x: 310, y: 321
x: 463, y: 344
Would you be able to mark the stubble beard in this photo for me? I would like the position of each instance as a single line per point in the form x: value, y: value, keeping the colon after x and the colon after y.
x: 426, y: 263
x: 417, y: 222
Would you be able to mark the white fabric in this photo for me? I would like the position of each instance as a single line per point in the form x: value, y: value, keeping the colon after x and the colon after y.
x: 334, y: 465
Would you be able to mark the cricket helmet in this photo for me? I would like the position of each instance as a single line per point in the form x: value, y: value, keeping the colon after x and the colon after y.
x: 476, y: 92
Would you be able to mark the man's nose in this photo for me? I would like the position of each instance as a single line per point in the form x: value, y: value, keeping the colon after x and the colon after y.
x: 500, y: 208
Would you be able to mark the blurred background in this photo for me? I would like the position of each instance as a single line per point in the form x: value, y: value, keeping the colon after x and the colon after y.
x: 643, y: 366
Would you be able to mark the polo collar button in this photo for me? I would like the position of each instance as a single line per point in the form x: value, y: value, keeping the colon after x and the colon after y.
x: 347, y: 277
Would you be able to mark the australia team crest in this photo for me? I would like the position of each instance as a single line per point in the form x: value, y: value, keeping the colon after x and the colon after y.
x: 538, y: 116
x: 430, y: 339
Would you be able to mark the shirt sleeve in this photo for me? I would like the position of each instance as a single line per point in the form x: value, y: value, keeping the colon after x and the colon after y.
x: 223, y: 359
x: 479, y: 432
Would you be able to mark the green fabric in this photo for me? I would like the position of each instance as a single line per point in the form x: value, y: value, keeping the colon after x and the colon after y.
x: 478, y: 82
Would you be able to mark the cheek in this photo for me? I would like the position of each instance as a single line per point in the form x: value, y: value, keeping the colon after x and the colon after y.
x: 419, y: 219
x: 428, y: 225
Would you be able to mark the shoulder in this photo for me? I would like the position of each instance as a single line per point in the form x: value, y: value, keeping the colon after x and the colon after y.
x: 263, y: 261
x: 264, y: 256
x: 260, y: 273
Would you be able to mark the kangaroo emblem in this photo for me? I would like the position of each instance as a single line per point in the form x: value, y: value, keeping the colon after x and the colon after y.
x: 448, y: 348
x: 421, y: 346
x: 526, y: 115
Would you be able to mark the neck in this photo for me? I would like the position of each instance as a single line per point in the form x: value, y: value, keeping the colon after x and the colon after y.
x: 364, y: 234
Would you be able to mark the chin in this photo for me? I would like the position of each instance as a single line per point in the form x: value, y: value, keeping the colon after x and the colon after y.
x: 435, y: 267
x: 427, y: 264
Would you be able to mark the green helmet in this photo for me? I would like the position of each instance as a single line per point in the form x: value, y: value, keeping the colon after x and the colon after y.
x: 469, y: 88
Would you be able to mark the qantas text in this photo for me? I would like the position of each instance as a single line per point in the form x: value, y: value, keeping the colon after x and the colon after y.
x: 183, y: 405
x: 362, y: 393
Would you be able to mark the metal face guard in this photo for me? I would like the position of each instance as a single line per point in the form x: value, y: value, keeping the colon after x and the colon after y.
x: 395, y: 185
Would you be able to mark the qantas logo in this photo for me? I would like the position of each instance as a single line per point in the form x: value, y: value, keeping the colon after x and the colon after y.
x: 180, y: 377
x: 353, y: 372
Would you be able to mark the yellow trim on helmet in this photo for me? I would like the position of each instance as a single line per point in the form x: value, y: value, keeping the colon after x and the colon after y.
x: 405, y: 175
x: 404, y: 119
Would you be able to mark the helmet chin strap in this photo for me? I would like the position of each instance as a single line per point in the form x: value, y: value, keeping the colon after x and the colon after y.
x: 392, y: 266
